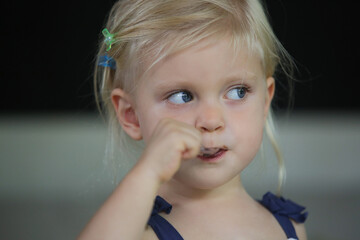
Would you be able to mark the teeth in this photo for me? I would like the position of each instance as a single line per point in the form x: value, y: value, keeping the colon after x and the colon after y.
x: 208, y: 151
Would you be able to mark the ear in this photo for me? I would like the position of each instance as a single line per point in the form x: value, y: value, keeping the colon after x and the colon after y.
x: 270, y: 91
x: 125, y: 113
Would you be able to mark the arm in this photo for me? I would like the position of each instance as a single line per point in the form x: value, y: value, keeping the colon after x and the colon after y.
x: 126, y: 212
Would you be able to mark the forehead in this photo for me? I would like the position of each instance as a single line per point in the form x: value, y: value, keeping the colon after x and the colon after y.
x: 209, y: 59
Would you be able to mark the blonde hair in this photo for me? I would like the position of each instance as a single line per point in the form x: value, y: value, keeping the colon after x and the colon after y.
x: 149, y: 30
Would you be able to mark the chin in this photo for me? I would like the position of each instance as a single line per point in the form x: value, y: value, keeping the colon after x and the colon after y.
x: 205, y: 181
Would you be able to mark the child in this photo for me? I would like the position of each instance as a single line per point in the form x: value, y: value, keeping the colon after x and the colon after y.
x: 194, y: 80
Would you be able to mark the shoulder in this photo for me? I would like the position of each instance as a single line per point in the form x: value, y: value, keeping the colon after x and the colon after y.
x: 300, y: 230
x: 280, y: 206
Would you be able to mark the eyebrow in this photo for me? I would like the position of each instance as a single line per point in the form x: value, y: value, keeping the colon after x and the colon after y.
x: 170, y: 84
x: 183, y: 83
x: 244, y: 76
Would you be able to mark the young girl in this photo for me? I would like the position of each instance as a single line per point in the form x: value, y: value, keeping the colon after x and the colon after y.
x: 194, y: 80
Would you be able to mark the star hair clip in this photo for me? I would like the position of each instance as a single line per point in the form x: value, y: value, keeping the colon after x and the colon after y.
x: 109, y: 38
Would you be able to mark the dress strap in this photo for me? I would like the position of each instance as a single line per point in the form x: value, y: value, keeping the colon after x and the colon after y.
x: 163, y: 229
x: 283, y: 210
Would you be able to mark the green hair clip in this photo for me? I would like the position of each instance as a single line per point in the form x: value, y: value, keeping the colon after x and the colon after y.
x: 109, y: 38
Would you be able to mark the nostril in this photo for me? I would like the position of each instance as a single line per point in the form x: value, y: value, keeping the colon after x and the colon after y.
x: 209, y: 121
x: 210, y: 129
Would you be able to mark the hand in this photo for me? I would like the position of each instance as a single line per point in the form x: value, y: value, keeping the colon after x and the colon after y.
x: 170, y: 143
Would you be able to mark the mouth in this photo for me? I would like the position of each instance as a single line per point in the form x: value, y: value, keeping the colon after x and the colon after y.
x: 211, y: 154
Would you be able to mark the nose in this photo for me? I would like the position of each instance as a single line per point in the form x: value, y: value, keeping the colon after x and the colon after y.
x: 209, y: 118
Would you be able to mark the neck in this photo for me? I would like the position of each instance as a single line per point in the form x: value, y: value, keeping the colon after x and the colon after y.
x: 177, y: 192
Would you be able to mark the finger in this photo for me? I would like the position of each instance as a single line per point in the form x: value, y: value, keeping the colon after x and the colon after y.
x: 191, y: 130
x: 192, y: 148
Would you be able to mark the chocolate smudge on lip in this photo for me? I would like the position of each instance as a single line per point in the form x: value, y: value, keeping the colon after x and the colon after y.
x: 211, y: 151
x: 208, y: 151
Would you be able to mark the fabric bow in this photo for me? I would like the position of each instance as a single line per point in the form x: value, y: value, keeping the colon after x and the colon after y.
x: 161, y: 206
x: 282, y: 207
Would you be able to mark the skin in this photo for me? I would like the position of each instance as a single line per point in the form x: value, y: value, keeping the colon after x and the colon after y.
x: 211, y: 117
x: 214, y: 114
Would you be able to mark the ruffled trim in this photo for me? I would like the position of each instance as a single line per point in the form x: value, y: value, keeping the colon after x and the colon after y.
x: 162, y: 228
x: 161, y: 206
x: 284, y: 210
x: 282, y: 207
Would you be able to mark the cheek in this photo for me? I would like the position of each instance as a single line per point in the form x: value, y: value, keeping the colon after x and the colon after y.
x: 247, y: 125
x: 147, y: 122
x: 247, y: 131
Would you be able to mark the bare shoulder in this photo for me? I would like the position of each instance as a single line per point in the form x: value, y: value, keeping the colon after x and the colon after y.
x: 149, y: 234
x: 300, y: 230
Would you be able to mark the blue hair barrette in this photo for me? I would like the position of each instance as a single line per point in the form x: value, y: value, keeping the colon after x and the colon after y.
x: 107, y: 61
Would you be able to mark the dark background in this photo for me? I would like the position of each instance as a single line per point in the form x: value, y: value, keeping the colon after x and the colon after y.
x: 48, y: 49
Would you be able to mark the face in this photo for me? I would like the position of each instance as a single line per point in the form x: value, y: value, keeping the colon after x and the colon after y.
x: 226, y: 97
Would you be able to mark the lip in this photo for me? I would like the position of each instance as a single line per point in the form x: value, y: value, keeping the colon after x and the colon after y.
x: 217, y: 157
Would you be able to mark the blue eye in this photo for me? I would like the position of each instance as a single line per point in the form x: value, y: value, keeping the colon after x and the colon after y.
x: 180, y: 97
x: 236, y: 93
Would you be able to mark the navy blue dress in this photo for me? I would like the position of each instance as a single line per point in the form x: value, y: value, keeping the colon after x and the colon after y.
x: 283, y: 210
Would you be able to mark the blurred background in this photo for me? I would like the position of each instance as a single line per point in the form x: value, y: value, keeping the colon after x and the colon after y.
x: 53, y: 176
